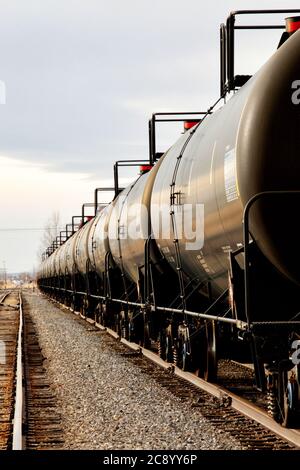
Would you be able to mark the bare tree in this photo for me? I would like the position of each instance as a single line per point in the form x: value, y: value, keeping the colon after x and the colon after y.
x: 51, y: 231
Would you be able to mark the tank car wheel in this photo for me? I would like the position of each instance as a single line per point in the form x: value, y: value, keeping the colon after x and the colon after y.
x: 131, y: 331
x: 162, y: 344
x: 69, y: 300
x: 121, y: 324
x: 117, y: 324
x: 147, y: 340
x: 207, y: 361
x: 182, y: 354
x: 186, y: 356
x: 97, y: 313
x: 85, y: 306
x: 138, y: 325
x: 73, y: 303
x: 290, y: 401
x: 105, y: 311
x: 210, y: 373
x: 169, y: 348
x: 283, y: 397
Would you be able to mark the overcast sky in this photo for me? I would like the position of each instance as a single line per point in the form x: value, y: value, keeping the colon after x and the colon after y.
x: 82, y: 79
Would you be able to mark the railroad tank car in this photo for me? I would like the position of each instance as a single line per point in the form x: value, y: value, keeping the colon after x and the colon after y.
x: 81, y: 256
x: 98, y: 241
x: 130, y: 224
x: 223, y: 279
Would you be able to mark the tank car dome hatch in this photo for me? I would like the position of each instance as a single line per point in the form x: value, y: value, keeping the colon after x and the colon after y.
x: 145, y: 168
x: 189, y: 124
x: 292, y: 24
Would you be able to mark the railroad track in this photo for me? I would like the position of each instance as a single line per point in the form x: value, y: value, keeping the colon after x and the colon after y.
x: 235, y: 414
x: 10, y: 327
x: 28, y: 416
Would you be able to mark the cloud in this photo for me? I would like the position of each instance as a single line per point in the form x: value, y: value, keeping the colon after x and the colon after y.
x: 82, y: 79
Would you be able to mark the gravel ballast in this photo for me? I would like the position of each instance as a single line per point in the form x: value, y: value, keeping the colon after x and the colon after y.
x: 105, y: 401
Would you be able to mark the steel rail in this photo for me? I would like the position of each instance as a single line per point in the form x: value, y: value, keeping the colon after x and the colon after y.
x: 239, y: 404
x: 4, y: 297
x: 17, y: 443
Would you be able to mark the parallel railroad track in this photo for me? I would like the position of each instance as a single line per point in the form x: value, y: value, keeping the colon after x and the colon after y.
x: 28, y: 416
x: 235, y: 414
x: 9, y: 333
